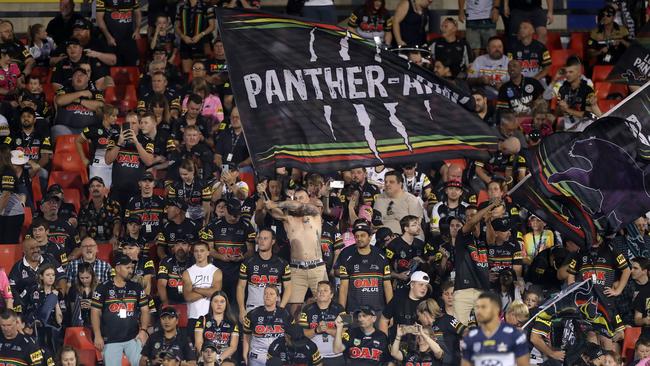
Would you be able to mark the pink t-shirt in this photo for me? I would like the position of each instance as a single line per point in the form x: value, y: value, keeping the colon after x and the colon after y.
x: 9, y: 78
x: 212, y: 108
x: 5, y: 289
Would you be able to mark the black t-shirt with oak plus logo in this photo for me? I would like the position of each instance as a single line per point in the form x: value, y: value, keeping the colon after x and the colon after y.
x: 366, y: 275
x: 128, y: 166
x: 264, y: 327
x: 120, y: 310
x: 303, y: 352
x: 171, y: 269
x: 75, y: 115
x: 365, y: 349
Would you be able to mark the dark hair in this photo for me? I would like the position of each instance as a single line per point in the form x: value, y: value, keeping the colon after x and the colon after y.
x: 573, y: 61
x: 446, y: 285
x: 642, y: 342
x: 38, y: 222
x: 7, y: 314
x: 5, y: 159
x: 406, y: 221
x: 396, y: 174
x: 189, y: 165
x: 194, y: 98
x: 273, y: 237
x: 32, y: 30
x: 86, y: 268
x: 644, y: 263
x: 369, y: 7
x: 494, y: 38
x: 328, y: 283
x: 273, y: 287
x: 479, y: 91
x: 228, y: 312
x: 148, y: 114
x: 65, y: 349
x: 159, y: 100
x: 492, y: 297
x: 42, y: 270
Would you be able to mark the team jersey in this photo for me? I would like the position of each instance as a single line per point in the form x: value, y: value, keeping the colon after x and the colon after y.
x: 496, y: 70
x: 519, y: 98
x: 228, y: 239
x: 179, y: 344
x: 150, y: 210
x: 441, y: 211
x: 195, y: 195
x: 63, y: 70
x: 144, y: 103
x: 171, y: 269
x: 310, y: 318
x: 62, y: 239
x: 502, y: 348
x: 543, y: 328
x: 417, y: 358
x: 400, y: 255
x: 98, y: 136
x: 330, y: 241
x: 365, y: 350
x: 471, y: 263
x: 17, y: 51
x: 128, y: 166
x: 118, y: 15
x: 600, y: 265
x: 504, y: 256
x: 33, y: 145
x: 417, y: 184
x: 533, y: 58
x: 23, y: 277
x: 218, y: 334
x: 23, y: 351
x: 75, y: 114
x: 365, y: 275
x: 448, y: 332
x: 457, y: 52
x: 120, y: 307
x: 303, y: 352
x: 259, y: 273
x: 370, y: 25
x: 577, y: 99
x: 172, y: 232
x: 264, y: 327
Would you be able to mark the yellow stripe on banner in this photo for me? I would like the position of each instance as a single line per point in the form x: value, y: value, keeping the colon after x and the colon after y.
x: 30, y: 1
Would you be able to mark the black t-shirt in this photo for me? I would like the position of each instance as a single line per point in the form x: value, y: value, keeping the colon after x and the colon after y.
x: 525, y: 4
x: 172, y: 232
x: 98, y: 136
x: 202, y: 156
x: 180, y: 344
x: 171, y: 269
x: 448, y: 333
x: 519, y: 98
x: 219, y: 334
x: 60, y: 29
x: 75, y: 115
x: 118, y: 15
x: 402, y: 309
x: 201, y: 123
x: 23, y: 351
x: 63, y: 70
x: 146, y: 96
x: 120, y: 310
x: 471, y: 263
x: 128, y: 166
x: 457, y: 52
x: 365, y: 349
x: 150, y: 210
x: 533, y: 57
x: 231, y: 147
x: 228, y: 239
x: 642, y: 304
x: 365, y: 275
x: 576, y: 98
x: 62, y: 239
x: 303, y: 352
x: 22, y: 278
x: 17, y: 51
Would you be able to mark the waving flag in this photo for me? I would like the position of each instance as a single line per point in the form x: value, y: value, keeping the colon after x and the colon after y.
x: 635, y: 109
x: 316, y: 97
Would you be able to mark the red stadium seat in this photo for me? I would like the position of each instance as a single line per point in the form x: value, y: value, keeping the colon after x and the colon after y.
x: 607, y: 104
x: 9, y: 255
x: 602, y: 89
x: 601, y: 72
x: 143, y: 48
x: 631, y: 336
x: 65, y: 144
x: 559, y: 57
x: 125, y: 75
x: 105, y: 251
x: 553, y: 41
x: 72, y: 196
x: 79, y: 339
x: 125, y: 361
x: 37, y: 191
x: 249, y: 178
x: 181, y: 309
x: 578, y: 43
x: 48, y: 89
x: 67, y: 180
x: 27, y: 222
x: 110, y: 95
x: 44, y: 74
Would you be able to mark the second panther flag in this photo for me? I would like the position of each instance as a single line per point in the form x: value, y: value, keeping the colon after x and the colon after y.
x: 315, y: 97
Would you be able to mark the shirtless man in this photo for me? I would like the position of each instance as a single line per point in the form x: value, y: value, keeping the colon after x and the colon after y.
x: 302, y: 222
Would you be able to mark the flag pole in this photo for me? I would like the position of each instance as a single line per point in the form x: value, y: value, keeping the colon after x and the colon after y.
x: 518, y: 184
x: 625, y: 100
x: 561, y: 295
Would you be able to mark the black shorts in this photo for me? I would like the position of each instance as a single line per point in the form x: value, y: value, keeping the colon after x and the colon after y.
x: 193, y: 51
x: 537, y: 16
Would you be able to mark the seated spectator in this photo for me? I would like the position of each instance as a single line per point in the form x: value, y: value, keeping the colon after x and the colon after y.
x: 446, y: 69
x: 543, y: 122
x: 516, y: 314
x: 484, y: 109
x: 426, y: 349
x: 172, y: 72
x: 169, y: 339
x: 40, y: 44
x: 193, y: 148
x: 178, y: 228
x: 35, y: 145
x: 211, y: 107
x: 196, y: 192
x: 46, y: 308
x: 447, y: 329
x: 25, y: 170
x: 576, y: 99
x: 12, y: 212
x: 218, y: 328
x: 100, y: 219
x: 94, y: 45
x: 294, y: 349
x: 372, y: 21
x: 64, y: 69
x: 68, y: 357
x: 193, y: 117
x: 60, y: 27
x: 62, y: 235
x: 158, y: 86
x: 160, y: 109
x: 195, y: 37
x: 133, y: 234
x: 6, y: 297
x: 490, y: 71
x: 450, y: 49
x: 77, y: 106
x: 16, y: 50
x: 536, y: 240
x: 609, y: 40
x: 641, y: 350
x: 10, y: 77
x: 32, y: 96
x: 520, y: 93
x: 534, y: 58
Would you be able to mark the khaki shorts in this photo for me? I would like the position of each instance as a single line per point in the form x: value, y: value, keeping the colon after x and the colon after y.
x: 302, y: 279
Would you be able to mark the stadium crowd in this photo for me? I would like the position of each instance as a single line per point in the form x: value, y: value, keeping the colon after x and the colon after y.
x: 209, y: 263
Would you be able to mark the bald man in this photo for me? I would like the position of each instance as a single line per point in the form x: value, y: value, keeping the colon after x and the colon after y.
x: 89, y: 255
x: 506, y: 163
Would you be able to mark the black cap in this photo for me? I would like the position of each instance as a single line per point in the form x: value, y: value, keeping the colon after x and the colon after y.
x: 55, y: 188
x: 177, y: 202
x: 381, y: 235
x: 501, y: 224
x: 96, y: 179
x: 361, y: 225
x: 147, y: 175
x: 207, y: 345
x: 295, y: 331
x: 233, y: 206
x: 454, y: 183
x: 377, y: 218
x: 122, y: 259
x: 82, y: 23
x: 28, y: 110
x: 51, y: 196
x: 593, y: 351
x: 366, y: 310
x: 4, y: 50
x: 168, y: 311
x: 134, y: 219
x: 72, y: 41
x: 160, y: 49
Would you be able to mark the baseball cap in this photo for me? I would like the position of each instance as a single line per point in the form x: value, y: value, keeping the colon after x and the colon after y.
x: 419, y: 276
x: 177, y: 202
x: 233, y: 206
x: 96, y: 179
x: 72, y: 41
x: 55, y: 188
x: 501, y: 224
x: 207, y: 345
x: 366, y: 310
x: 361, y: 225
x: 381, y: 235
x: 147, y: 176
x: 49, y: 196
x: 168, y: 311
x: 295, y: 331
x: 134, y: 219
x: 454, y: 183
x: 122, y: 259
x: 18, y: 157
x: 81, y: 23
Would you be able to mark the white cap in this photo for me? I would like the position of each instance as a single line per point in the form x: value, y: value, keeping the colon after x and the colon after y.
x: 419, y: 276
x: 18, y: 157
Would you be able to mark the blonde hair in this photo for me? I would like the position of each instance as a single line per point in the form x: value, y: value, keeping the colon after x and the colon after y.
x: 429, y: 306
x: 518, y: 309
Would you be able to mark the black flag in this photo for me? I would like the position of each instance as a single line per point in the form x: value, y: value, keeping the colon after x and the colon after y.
x: 633, y: 68
x: 599, y: 168
x: 316, y: 97
x: 635, y: 109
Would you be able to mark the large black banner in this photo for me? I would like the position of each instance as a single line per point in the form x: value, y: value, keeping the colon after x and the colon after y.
x: 599, y: 168
x: 316, y: 97
x: 633, y: 67
x: 635, y: 109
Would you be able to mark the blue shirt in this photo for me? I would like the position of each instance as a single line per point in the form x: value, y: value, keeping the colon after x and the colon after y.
x: 503, y: 347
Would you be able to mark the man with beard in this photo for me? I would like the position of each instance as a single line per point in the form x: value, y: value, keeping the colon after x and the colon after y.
x: 369, y: 191
x: 520, y: 92
x: 16, y: 50
x: 159, y: 86
x: 63, y: 70
x: 453, y: 206
x: 77, y: 105
x: 100, y: 219
x: 493, y: 341
x: 88, y: 255
x: 193, y: 117
x: 490, y: 70
x: 177, y: 228
x: 169, y: 339
x: 484, y: 109
x: 36, y: 146
x: 94, y: 46
x: 170, y: 274
x: 533, y: 55
x: 62, y: 237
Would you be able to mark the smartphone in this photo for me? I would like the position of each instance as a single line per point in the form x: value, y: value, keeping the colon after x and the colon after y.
x: 409, y: 328
x: 347, y: 319
x: 126, y: 126
x: 225, y: 168
x: 338, y: 184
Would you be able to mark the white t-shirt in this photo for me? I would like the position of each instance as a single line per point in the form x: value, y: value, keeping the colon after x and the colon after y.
x: 201, y: 277
x: 478, y: 9
x: 494, y: 69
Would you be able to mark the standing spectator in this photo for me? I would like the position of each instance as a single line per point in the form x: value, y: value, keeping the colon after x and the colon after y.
x: 193, y: 148
x: 170, y: 274
x: 320, y: 10
x: 97, y: 136
x: 73, y: 58
x: 218, y: 328
x: 143, y: 267
x: 46, y: 306
x: 395, y: 203
x: 294, y: 349
x: 12, y: 212
x: 77, y: 104
x: 482, y: 17
x: 530, y: 10
x: 192, y: 105
x: 192, y: 190
x: 540, y: 338
x: 405, y: 252
x: 416, y: 182
x: 79, y: 296
x: 318, y: 321
x: 100, y: 219
x: 200, y: 281
x: 503, y: 253
x: 163, y: 36
x: 490, y: 71
x: 641, y: 304
x: 520, y: 93
x: 576, y: 99
x: 40, y: 44
x: 262, y: 326
x: 369, y: 191
x: 177, y: 228
x: 535, y: 58
x: 212, y: 109
x: 148, y: 206
x: 411, y: 23
x: 119, y: 21
x: 101, y: 269
x: 94, y: 45
x: 169, y: 339
x: 195, y: 22
x: 120, y: 316
x: 6, y: 297
x: 363, y: 344
x: 260, y: 270
x: 608, y: 42
x: 402, y: 309
x: 364, y: 273
x: 60, y: 27
x: 449, y: 48
x: 230, y: 145
x: 371, y: 20
x: 536, y: 240
x: 158, y: 87
x: 451, y: 206
x: 492, y: 336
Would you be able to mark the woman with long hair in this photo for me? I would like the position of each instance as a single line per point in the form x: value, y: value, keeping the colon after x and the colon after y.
x: 80, y: 295
x: 196, y: 193
x: 160, y: 110
x: 218, y: 327
x: 12, y: 211
x: 423, y: 349
x: 97, y: 137
x: 47, y: 308
x: 67, y: 357
x: 449, y: 331
x: 40, y: 44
